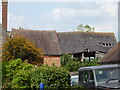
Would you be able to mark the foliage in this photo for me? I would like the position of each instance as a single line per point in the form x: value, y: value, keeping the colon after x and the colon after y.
x: 20, y: 47
x: 65, y: 58
x: 51, y: 76
x: 4, y: 72
x: 78, y: 87
x: 75, y: 65
x: 18, y: 74
x: 70, y: 63
x: 0, y: 74
x: 85, y: 28
x: 21, y: 79
x: 21, y: 74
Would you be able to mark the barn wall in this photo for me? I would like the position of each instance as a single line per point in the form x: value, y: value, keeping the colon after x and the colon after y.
x: 3, y: 35
x: 49, y: 60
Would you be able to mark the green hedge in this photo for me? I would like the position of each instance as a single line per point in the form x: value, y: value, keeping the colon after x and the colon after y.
x: 75, y: 65
x: 24, y: 75
x: 51, y: 76
x: 17, y: 74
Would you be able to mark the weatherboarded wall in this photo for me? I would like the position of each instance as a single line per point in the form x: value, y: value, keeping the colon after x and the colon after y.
x: 3, y: 35
x: 49, y: 60
x: 2, y: 32
x: 1, y: 39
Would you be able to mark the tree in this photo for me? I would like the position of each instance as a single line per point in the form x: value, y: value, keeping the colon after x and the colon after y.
x: 85, y: 28
x: 19, y: 47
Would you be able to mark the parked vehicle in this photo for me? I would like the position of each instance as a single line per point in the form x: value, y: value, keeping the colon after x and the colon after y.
x: 74, y: 80
x: 104, y: 77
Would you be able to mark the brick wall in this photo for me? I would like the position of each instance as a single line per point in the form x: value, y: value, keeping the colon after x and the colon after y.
x: 4, y: 14
x: 49, y: 60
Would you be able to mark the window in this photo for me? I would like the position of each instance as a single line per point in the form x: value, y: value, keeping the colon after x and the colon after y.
x: 81, y: 76
x: 104, y: 75
x: 106, y: 44
x: 86, y: 76
x: 85, y: 42
x: 110, y: 44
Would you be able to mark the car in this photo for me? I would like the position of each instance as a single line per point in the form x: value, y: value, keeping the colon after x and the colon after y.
x: 103, y: 77
x: 74, y: 80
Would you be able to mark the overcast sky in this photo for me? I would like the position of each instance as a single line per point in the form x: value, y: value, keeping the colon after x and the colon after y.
x: 63, y: 16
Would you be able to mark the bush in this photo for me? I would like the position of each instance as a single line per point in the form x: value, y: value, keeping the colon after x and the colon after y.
x: 4, y: 72
x: 65, y: 58
x: 21, y: 79
x: 21, y: 74
x: 0, y: 74
x: 20, y: 47
x: 78, y: 87
x: 51, y: 76
x: 18, y: 74
x: 72, y: 65
x: 75, y: 65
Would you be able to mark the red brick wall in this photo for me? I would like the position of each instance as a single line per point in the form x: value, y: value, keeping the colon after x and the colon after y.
x: 49, y: 60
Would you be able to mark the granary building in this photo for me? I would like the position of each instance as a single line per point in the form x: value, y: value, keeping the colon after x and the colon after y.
x: 78, y: 44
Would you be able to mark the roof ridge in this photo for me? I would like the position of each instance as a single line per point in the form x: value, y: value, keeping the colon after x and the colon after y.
x: 89, y: 32
x: 34, y: 30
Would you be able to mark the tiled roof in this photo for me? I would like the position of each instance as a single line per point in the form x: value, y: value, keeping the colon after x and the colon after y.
x: 73, y: 42
x: 113, y: 56
x: 45, y: 40
x: 53, y: 43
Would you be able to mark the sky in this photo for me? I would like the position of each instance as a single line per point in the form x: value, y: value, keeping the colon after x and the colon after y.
x: 63, y: 16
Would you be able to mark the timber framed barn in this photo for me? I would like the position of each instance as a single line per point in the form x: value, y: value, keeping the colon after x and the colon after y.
x: 78, y: 44
x: 3, y: 35
x: 112, y: 56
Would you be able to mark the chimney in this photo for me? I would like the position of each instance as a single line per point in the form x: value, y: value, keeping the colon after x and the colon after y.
x: 4, y: 13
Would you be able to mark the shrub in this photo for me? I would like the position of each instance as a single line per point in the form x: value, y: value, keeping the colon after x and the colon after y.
x: 0, y: 74
x: 4, y: 72
x: 65, y: 58
x: 18, y: 74
x: 51, y: 76
x: 78, y: 87
x: 72, y: 65
x: 21, y: 74
x: 20, y: 47
x: 75, y: 65
x: 21, y: 79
